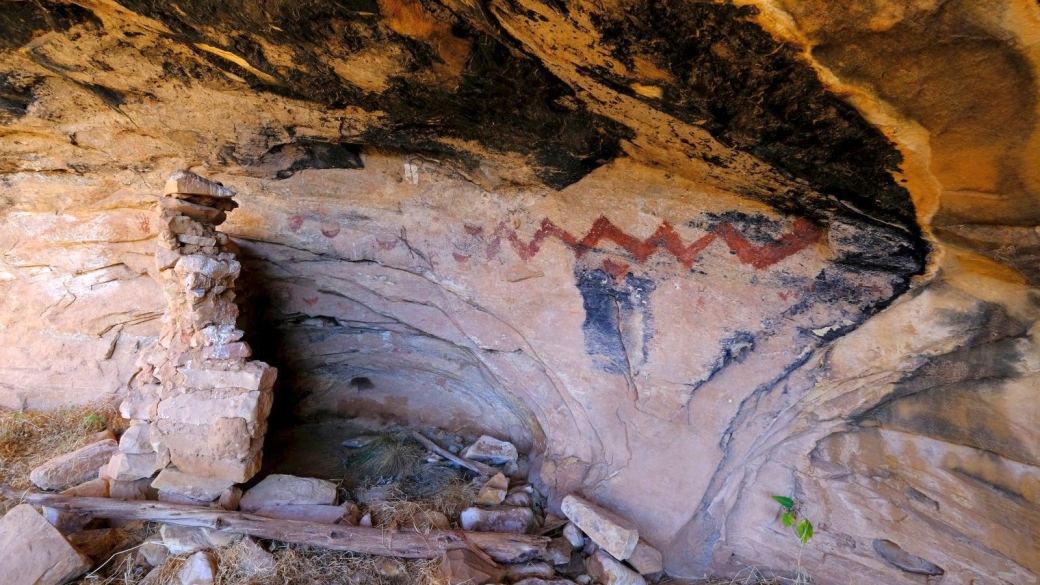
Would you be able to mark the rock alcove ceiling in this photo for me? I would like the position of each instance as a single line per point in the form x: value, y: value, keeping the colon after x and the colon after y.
x: 689, y: 253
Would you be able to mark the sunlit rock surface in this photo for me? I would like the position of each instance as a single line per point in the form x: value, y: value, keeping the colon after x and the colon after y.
x: 691, y: 254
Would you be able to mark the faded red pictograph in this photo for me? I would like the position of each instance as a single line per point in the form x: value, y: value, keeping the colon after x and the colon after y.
x: 803, y: 234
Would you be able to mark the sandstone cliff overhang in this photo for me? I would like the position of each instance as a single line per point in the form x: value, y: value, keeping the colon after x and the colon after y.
x: 692, y: 253
x: 510, y: 92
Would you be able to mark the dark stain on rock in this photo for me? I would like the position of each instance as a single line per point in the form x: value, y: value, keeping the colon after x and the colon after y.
x: 756, y: 94
x: 288, y: 159
x: 21, y: 22
x: 956, y: 397
x: 732, y: 350
x: 960, y: 414
x: 498, y: 88
x: 614, y: 310
x: 894, y: 555
x: 756, y: 228
x: 111, y: 97
x: 361, y: 383
x: 860, y: 244
x: 1006, y: 492
x: 521, y: 101
x: 14, y: 99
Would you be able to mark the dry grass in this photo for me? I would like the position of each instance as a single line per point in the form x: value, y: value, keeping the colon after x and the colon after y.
x: 28, y: 439
x: 389, y: 457
x: 429, y: 480
x: 401, y: 510
x: 299, y: 564
x: 418, y: 487
x: 747, y: 576
x: 293, y: 564
x: 452, y: 498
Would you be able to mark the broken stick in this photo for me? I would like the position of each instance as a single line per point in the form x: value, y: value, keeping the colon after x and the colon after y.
x: 474, y: 466
x: 504, y: 548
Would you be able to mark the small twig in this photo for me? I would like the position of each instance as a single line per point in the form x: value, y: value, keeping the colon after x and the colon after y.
x: 114, y: 555
x: 551, y: 527
x: 474, y: 466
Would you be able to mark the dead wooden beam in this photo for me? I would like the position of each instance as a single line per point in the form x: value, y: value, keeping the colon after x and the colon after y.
x: 504, y: 548
x: 474, y: 466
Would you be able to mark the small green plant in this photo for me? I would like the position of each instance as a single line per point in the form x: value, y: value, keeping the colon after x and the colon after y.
x: 93, y: 422
x: 803, y: 529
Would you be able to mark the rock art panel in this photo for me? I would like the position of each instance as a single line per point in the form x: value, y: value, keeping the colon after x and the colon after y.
x: 616, y: 301
x: 786, y: 271
x: 440, y: 318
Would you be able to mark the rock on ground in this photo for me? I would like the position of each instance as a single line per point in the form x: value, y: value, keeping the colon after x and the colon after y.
x: 646, y: 559
x: 199, y: 569
x: 95, y: 542
x: 136, y: 439
x: 279, y: 490
x: 615, y: 534
x: 607, y: 570
x: 182, y: 540
x: 324, y: 514
x: 201, y: 489
x: 574, y: 535
x: 500, y: 519
x: 526, y: 571
x: 559, y: 551
x: 494, y: 491
x: 230, y: 499
x: 33, y: 551
x: 66, y: 522
x: 130, y: 466
x: 255, y: 559
x: 139, y: 489
x: 491, y: 450
x: 74, y: 468
x: 95, y: 488
x: 152, y: 552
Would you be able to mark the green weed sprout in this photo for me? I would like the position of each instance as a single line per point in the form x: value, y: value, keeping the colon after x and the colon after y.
x: 803, y: 529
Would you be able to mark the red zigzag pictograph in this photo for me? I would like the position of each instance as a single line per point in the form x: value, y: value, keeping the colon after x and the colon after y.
x: 803, y: 234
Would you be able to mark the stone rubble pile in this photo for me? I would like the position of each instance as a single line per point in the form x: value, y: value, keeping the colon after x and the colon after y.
x: 589, y: 544
x: 197, y: 402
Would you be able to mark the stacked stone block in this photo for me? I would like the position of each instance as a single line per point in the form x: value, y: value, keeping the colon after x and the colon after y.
x: 197, y: 403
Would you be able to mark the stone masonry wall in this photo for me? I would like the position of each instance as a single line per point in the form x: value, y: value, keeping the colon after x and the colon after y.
x: 196, y: 402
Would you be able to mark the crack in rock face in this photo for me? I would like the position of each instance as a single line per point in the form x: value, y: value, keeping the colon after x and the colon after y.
x: 688, y: 254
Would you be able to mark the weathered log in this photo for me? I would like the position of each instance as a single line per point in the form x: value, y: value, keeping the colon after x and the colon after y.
x: 474, y: 466
x: 504, y: 548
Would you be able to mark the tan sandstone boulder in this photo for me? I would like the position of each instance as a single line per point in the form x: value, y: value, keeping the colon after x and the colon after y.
x: 33, y: 551
x: 74, y: 468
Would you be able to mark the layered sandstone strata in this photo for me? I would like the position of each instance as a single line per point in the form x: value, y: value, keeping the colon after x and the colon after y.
x: 197, y: 401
